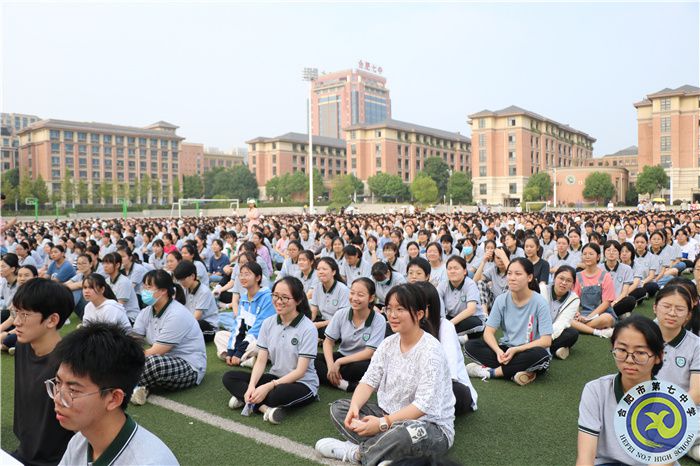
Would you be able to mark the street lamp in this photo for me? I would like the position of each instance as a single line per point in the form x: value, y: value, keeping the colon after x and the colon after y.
x: 311, y: 74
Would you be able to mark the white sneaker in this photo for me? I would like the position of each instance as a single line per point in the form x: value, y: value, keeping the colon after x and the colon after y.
x: 67, y: 322
x: 606, y: 332
x: 476, y: 370
x: 337, y: 449
x: 11, y: 351
x: 463, y: 339
x: 562, y: 353
x: 274, y: 415
x: 523, y: 378
x: 343, y: 385
x: 235, y: 403
x: 250, y: 362
x: 138, y: 397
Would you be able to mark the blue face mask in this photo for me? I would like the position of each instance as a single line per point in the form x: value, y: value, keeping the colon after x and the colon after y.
x: 148, y: 298
x: 468, y: 250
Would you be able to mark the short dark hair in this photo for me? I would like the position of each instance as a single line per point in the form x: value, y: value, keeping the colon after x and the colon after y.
x: 105, y: 354
x: 185, y: 269
x: 46, y: 297
x: 421, y: 263
x: 651, y: 332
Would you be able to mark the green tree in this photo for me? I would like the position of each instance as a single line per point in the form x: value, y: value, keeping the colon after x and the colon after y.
x: 10, y: 186
x: 156, y: 190
x: 319, y: 188
x: 598, y: 186
x: 144, y: 188
x: 209, y: 181
x: 26, y: 187
x: 122, y: 190
x: 68, y: 189
x: 459, y: 188
x: 538, y: 188
x: 236, y: 183
x: 192, y: 187
x: 176, y: 189
x: 272, y: 188
x: 82, y: 191
x: 134, y: 192
x: 386, y: 186
x: 652, y: 179
x: 632, y: 196
x: 107, y: 192
x: 97, y: 192
x: 424, y: 189
x: 439, y: 171
x: 344, y: 187
x: 41, y: 191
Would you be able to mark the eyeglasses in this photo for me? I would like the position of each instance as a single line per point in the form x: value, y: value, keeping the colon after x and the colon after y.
x: 65, y: 395
x: 394, y: 311
x: 638, y: 357
x: 565, y: 280
x: 281, y: 298
x: 23, y: 316
x: 673, y: 310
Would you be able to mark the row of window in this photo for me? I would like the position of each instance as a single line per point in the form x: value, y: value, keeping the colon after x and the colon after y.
x: 96, y: 138
x: 107, y: 150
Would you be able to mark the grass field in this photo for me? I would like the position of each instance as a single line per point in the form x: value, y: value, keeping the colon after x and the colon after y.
x: 532, y: 425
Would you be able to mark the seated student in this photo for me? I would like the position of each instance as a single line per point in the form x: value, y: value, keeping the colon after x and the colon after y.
x: 354, y: 266
x: 157, y: 259
x: 189, y: 253
x: 438, y: 274
x: 384, y: 278
x: 75, y: 284
x: 523, y: 316
x: 638, y: 351
x: 330, y: 295
x: 673, y: 312
x: 290, y: 265
x: 98, y: 367
x: 562, y: 255
x: 596, y: 289
x: 414, y: 413
x: 8, y: 336
x: 390, y: 251
x: 217, y: 261
x: 533, y: 253
x: 440, y: 328
x: 60, y: 269
x: 121, y: 285
x: 622, y: 275
x: 647, y: 263
x: 360, y: 330
x: 462, y: 300
x: 491, y: 274
x: 9, y: 266
x: 307, y: 274
x: 627, y: 257
x: 133, y: 270
x: 177, y: 358
x: 41, y: 307
x: 563, y: 306
x: 198, y: 299
x: 290, y: 341
x: 102, y: 305
x: 254, y: 306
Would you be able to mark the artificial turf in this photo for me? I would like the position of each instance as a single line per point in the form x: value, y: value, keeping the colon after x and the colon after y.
x: 531, y: 425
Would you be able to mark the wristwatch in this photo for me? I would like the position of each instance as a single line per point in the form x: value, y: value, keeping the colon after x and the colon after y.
x: 383, y: 425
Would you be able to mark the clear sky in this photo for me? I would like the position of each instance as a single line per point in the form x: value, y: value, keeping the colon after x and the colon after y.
x: 227, y: 72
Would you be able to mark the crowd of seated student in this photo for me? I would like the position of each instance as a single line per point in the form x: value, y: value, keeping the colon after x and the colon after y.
x: 368, y: 290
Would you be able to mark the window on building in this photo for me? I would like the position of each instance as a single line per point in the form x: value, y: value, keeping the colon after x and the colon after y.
x: 665, y: 105
x: 665, y: 124
x: 95, y: 163
x: 511, y: 170
x: 511, y: 156
x: 482, y: 140
x: 511, y: 138
x: 119, y: 140
x: 55, y: 148
x: 511, y: 122
x: 69, y: 149
x: 95, y: 150
x: 131, y: 141
x: 482, y: 123
x: 107, y: 139
x: 482, y: 155
x: 82, y: 137
x: 482, y: 188
x: 68, y: 135
x: 482, y: 171
x: 512, y: 188
x: 94, y: 138
x: 108, y: 150
x: 665, y: 143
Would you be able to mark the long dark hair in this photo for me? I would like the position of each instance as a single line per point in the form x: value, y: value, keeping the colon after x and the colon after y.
x: 164, y: 281
x: 334, y: 267
x: 432, y: 299
x: 297, y: 289
x: 96, y: 280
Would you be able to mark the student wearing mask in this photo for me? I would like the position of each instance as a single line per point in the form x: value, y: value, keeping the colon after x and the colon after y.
x: 177, y: 358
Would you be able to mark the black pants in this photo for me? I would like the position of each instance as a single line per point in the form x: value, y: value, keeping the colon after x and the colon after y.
x: 351, y: 372
x: 532, y: 360
x: 626, y: 304
x: 286, y: 395
x: 208, y: 330
x: 4, y: 315
x: 566, y: 339
x: 467, y: 326
x: 639, y: 294
x: 651, y: 288
x: 463, y: 398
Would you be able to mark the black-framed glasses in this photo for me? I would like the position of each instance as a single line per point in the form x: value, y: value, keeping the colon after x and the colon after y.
x: 639, y: 357
x: 281, y: 298
x: 65, y: 395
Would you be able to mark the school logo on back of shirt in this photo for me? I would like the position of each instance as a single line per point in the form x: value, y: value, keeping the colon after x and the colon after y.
x: 656, y: 422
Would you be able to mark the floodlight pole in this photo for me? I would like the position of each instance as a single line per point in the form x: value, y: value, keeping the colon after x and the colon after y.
x: 311, y: 74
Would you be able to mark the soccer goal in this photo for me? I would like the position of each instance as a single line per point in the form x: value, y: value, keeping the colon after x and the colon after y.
x: 232, y: 203
x: 536, y: 206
